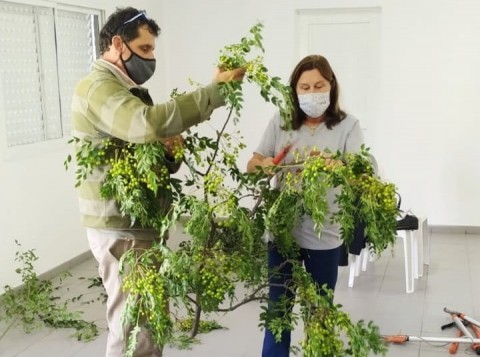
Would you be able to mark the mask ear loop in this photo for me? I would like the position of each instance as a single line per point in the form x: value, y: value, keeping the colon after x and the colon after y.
x: 131, y: 51
x: 123, y: 61
x: 120, y: 38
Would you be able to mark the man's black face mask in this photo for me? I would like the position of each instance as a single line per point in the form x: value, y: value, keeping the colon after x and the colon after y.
x: 139, y: 69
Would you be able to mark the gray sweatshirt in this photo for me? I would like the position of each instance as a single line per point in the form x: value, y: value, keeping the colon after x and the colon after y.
x: 346, y: 136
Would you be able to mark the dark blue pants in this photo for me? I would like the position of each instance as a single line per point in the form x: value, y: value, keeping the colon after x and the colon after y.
x: 322, y: 266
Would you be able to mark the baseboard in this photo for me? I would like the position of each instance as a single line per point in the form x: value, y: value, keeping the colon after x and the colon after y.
x: 454, y: 229
x: 66, y: 266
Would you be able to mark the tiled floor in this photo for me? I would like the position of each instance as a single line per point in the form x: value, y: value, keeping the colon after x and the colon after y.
x: 378, y: 294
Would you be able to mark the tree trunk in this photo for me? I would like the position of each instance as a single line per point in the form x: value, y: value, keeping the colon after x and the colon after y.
x: 196, y: 320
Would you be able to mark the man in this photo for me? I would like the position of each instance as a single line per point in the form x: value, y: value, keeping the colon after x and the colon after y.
x: 110, y: 103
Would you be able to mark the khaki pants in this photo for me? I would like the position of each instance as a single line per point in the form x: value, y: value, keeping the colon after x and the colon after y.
x: 107, y: 247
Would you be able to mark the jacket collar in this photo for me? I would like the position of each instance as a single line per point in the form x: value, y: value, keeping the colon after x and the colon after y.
x: 103, y: 65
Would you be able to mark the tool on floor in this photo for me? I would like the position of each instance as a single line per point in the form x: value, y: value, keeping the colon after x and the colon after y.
x: 461, y: 321
x: 476, y: 346
x: 461, y: 332
x: 454, y: 345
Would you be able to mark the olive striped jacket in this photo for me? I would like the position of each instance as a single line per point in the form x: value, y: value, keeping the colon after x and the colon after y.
x: 104, y: 106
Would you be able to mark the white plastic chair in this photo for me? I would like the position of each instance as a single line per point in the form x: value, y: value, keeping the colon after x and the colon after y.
x: 416, y: 253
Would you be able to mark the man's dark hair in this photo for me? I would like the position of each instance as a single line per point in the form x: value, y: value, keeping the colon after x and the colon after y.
x: 121, y: 23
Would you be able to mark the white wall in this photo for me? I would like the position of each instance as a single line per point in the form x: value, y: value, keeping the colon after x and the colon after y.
x: 38, y: 202
x: 431, y: 82
x: 426, y: 135
x: 427, y: 130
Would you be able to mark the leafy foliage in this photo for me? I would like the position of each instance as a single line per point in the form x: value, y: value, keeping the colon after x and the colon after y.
x: 185, y: 325
x: 226, y: 246
x: 362, y: 197
x: 33, y: 304
x: 271, y: 88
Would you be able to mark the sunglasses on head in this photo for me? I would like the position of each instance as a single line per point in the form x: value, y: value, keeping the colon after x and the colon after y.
x: 140, y: 14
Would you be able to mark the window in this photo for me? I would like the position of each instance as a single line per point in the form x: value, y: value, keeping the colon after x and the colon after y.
x: 44, y: 51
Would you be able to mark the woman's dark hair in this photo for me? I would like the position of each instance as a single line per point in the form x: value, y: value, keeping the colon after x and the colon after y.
x: 334, y: 114
x: 125, y: 23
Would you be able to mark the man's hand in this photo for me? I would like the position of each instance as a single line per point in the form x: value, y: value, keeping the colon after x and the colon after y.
x: 173, y: 142
x: 227, y: 76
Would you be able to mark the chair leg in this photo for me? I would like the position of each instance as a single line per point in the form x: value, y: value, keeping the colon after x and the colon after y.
x: 421, y: 247
x: 364, y: 254
x: 358, y: 263
x: 408, y: 258
x: 416, y: 253
x: 351, y: 272
x: 354, y: 267
x: 420, y: 244
x: 426, y: 241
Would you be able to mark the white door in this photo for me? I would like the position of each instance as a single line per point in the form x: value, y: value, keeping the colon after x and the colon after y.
x: 350, y: 40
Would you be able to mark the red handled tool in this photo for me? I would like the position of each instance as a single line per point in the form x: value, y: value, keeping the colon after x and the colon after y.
x: 475, y: 325
x: 454, y: 345
x: 282, y: 153
x: 461, y: 321
x: 476, y: 346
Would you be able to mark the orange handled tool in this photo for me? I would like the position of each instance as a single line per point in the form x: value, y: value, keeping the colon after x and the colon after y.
x: 282, y: 153
x: 396, y: 338
x: 454, y: 345
x: 476, y: 346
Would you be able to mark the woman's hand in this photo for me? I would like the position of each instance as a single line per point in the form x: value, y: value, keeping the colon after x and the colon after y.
x: 259, y: 161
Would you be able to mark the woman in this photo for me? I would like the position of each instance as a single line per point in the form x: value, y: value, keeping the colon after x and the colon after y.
x: 319, y: 126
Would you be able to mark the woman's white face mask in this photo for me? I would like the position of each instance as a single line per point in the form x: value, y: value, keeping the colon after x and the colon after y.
x: 314, y: 104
